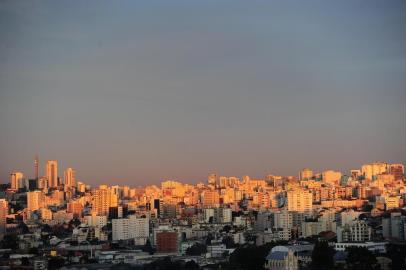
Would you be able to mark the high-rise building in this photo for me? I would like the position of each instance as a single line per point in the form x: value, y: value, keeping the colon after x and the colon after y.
x: 69, y: 177
x: 212, y: 180
x: 300, y: 200
x: 167, y: 241
x: 331, y: 177
x: 370, y: 171
x: 139, y: 229
x: 36, y: 167
x: 158, y: 207
x: 52, y: 173
x: 397, y: 170
x: 35, y: 200
x: 17, y: 180
x: 3, y: 214
x: 217, y: 215
x: 284, y: 220
x: 81, y: 187
x: 355, y: 174
x: 222, y: 215
x: 358, y: 231
x: 132, y: 227
x: 42, y: 183
x: 394, y: 226
x: 75, y: 207
x: 306, y: 174
x: 32, y: 184
x: 211, y: 198
x: 208, y: 215
x: 103, y: 199
x: 120, y: 229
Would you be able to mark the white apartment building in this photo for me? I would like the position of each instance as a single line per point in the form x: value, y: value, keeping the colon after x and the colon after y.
x: 394, y: 226
x: 139, y: 229
x: 120, y: 229
x: 132, y: 227
x: 217, y: 215
x: 96, y: 221
x: 358, y: 231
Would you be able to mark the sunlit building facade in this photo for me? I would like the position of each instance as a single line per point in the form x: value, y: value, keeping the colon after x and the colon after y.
x: 69, y: 177
x: 52, y: 173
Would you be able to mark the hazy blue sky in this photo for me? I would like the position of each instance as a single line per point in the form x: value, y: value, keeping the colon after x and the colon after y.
x: 134, y: 92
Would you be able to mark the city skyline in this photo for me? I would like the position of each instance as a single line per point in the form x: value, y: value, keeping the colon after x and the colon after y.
x: 191, y: 135
x: 147, y: 91
x: 67, y: 172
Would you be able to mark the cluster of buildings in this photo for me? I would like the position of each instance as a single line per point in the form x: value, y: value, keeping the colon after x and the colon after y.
x: 361, y: 208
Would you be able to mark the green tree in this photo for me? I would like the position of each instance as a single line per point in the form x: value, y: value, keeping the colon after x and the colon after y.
x: 228, y: 241
x: 249, y: 257
x: 33, y: 250
x: 10, y: 241
x: 360, y: 258
x: 196, y: 249
x: 25, y: 261
x: 227, y: 228
x: 164, y: 264
x: 55, y: 262
x: 191, y: 265
x: 397, y: 253
x: 74, y: 223
x: 208, y: 239
x: 23, y: 228
x: 322, y: 256
x: 148, y: 247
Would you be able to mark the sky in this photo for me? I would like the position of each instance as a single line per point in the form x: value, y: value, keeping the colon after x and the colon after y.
x: 137, y: 92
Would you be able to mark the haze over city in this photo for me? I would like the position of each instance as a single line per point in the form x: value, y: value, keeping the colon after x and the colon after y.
x: 202, y: 135
x: 139, y: 92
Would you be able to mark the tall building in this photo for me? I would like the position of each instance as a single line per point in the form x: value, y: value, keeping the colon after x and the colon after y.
x: 17, y: 180
x: 32, y: 184
x: 36, y: 167
x: 358, y: 231
x: 370, y: 171
x: 158, y: 207
x: 35, y: 200
x: 306, y: 174
x: 139, y: 229
x: 222, y: 215
x: 120, y: 229
x: 300, y: 200
x: 42, y: 183
x: 132, y: 227
x: 75, y: 207
x: 167, y: 241
x: 212, y: 180
x: 397, y: 170
x: 3, y: 214
x: 394, y: 226
x: 103, y: 199
x: 355, y: 174
x: 331, y: 177
x: 69, y: 177
x: 52, y: 173
x: 217, y: 215
x: 96, y: 221
x: 284, y: 222
x: 211, y: 198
